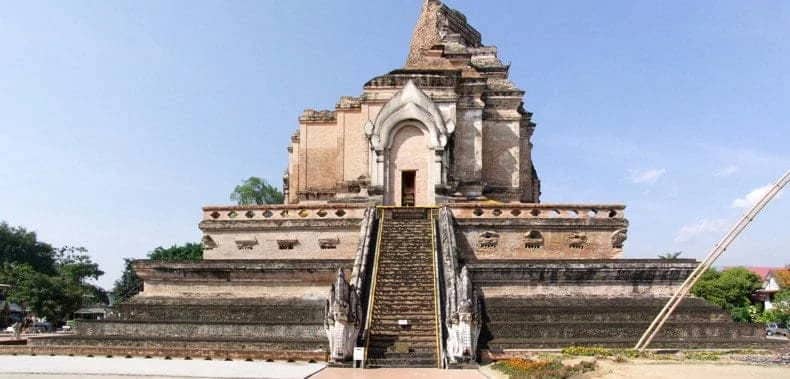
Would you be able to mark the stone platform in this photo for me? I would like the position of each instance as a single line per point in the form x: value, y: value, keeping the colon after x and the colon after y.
x: 214, y: 309
x: 560, y: 303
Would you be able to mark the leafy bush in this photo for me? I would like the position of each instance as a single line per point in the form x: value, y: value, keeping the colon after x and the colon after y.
x: 702, y: 356
x: 630, y: 353
x: 587, y: 351
x: 519, y: 368
x: 773, y: 315
x: 730, y: 289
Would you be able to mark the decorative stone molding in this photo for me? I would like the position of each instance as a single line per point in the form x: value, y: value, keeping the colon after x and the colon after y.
x: 328, y: 243
x: 448, y: 79
x: 246, y: 244
x: 619, y: 237
x: 342, y: 319
x: 464, y: 324
x: 208, y: 242
x: 542, y: 211
x: 577, y: 240
x: 488, y: 240
x: 462, y: 316
x: 410, y: 103
x: 312, y: 115
x: 278, y: 212
x: 368, y: 128
x: 533, y: 240
x: 315, y: 195
x: 349, y: 102
x: 307, y: 272
x: 286, y: 244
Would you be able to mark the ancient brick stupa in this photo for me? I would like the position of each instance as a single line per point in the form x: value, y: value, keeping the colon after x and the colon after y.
x: 412, y: 227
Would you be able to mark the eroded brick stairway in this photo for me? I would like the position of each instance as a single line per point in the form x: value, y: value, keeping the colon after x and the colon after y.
x: 404, y: 290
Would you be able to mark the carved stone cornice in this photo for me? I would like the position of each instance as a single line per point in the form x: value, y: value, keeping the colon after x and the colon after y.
x: 575, y: 272
x: 317, y: 116
x: 263, y: 225
x: 568, y: 225
x: 349, y: 103
x: 276, y: 271
x: 422, y: 78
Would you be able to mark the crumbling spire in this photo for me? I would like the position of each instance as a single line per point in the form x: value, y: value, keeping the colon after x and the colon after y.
x: 438, y: 25
x: 426, y: 32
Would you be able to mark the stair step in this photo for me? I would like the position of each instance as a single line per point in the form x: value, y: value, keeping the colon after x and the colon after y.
x: 421, y: 293
x: 404, y: 291
x: 384, y: 337
x: 411, y: 318
x: 410, y: 315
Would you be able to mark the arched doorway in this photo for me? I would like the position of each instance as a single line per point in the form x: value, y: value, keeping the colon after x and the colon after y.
x: 407, y: 148
x: 408, y: 171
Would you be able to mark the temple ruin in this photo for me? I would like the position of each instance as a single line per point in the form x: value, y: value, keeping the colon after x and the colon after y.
x: 413, y: 227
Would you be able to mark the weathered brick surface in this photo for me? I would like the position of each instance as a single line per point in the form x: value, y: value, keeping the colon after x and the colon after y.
x: 559, y: 303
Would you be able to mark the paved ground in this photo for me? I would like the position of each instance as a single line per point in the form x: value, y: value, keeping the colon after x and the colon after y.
x: 395, y: 373
x: 29, y: 367
x: 40, y: 367
x: 648, y: 370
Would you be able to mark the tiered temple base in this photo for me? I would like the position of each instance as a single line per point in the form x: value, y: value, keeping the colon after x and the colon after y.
x: 541, y: 323
x: 214, y: 309
x: 202, y: 328
x: 610, y: 303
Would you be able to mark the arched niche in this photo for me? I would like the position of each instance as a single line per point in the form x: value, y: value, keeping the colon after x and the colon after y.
x: 408, y: 108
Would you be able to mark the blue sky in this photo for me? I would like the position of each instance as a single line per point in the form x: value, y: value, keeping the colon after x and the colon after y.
x: 119, y: 120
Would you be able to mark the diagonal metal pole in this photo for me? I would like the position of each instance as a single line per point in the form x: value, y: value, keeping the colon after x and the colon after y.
x: 715, y: 252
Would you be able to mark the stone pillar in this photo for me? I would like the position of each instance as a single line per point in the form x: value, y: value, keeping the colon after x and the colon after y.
x: 379, y: 169
x: 468, y: 150
x: 437, y: 175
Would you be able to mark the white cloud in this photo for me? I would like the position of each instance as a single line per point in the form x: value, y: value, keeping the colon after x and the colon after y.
x: 726, y: 171
x: 647, y: 176
x: 753, y: 197
x: 703, y: 226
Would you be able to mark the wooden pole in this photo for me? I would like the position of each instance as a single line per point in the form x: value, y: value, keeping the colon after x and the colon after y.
x: 717, y: 250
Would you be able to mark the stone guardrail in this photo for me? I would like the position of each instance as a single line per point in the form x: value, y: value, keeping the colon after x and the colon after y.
x: 283, y: 212
x: 527, y: 211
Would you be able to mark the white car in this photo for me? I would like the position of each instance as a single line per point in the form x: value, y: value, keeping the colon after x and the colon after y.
x: 774, y: 329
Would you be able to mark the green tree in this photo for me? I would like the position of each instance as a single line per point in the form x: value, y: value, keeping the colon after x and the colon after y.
x: 76, y: 264
x: 52, y: 282
x: 670, y: 256
x: 128, y: 285
x: 17, y: 245
x: 730, y: 289
x: 52, y: 297
x: 781, y: 303
x: 256, y: 191
x: 782, y: 298
x: 187, y: 252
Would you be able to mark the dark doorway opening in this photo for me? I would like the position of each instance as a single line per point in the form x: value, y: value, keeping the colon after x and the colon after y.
x: 407, y: 179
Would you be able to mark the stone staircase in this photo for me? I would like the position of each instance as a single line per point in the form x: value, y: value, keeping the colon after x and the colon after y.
x: 404, y: 290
